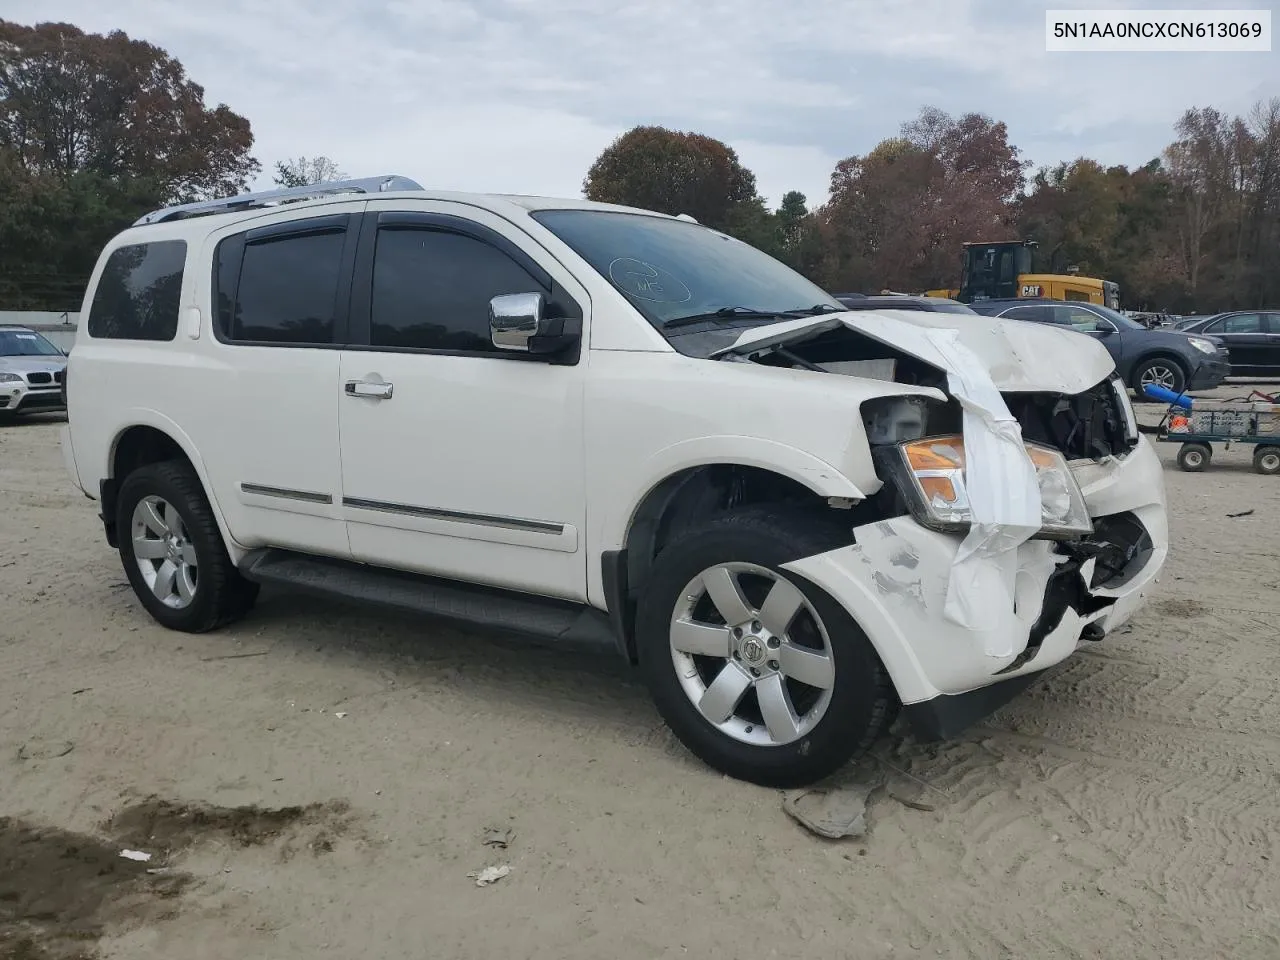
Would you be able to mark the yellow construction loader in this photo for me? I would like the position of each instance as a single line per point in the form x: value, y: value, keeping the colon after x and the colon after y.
x: 1002, y: 270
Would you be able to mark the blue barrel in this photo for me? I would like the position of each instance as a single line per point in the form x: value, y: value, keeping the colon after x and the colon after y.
x: 1164, y: 395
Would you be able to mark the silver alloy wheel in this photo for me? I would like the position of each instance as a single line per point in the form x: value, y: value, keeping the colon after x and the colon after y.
x: 1269, y: 461
x: 742, y: 664
x: 164, y: 552
x: 1159, y: 374
x: 1193, y: 458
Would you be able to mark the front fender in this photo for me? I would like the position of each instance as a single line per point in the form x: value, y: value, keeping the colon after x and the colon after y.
x: 804, y: 468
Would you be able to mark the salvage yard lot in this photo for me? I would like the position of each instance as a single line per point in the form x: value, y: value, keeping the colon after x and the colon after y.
x: 1124, y: 806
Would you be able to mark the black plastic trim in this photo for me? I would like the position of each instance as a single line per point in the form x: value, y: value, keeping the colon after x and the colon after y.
x: 613, y: 576
x: 108, y: 491
x: 947, y: 715
x: 563, y: 623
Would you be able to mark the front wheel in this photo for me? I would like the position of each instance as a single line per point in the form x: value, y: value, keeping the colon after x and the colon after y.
x: 759, y: 673
x: 173, y: 552
x: 1159, y: 372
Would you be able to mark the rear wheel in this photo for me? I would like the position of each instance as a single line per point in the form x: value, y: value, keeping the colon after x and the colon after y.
x: 1266, y: 460
x: 173, y: 552
x: 759, y: 673
x: 1194, y: 457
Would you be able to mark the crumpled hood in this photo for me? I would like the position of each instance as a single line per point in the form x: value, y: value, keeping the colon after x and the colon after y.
x: 1019, y: 356
x: 25, y: 365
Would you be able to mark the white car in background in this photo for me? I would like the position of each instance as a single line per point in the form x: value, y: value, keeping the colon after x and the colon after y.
x: 31, y: 371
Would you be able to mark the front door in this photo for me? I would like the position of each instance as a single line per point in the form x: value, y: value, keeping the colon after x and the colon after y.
x: 1246, y: 338
x: 460, y: 460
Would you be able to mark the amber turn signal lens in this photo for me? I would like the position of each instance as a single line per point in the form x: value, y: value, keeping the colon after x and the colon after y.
x: 938, y: 488
x: 936, y: 453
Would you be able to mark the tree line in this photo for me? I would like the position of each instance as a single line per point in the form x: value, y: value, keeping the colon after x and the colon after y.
x: 97, y: 129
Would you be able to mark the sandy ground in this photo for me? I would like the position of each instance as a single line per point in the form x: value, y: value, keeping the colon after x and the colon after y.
x: 1126, y: 806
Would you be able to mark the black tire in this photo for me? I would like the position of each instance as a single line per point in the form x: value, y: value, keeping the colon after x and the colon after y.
x: 1194, y: 457
x: 1266, y: 460
x: 1174, y: 367
x: 221, y: 594
x: 862, y: 696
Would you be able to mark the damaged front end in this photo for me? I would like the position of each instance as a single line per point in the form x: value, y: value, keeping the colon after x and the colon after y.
x: 1020, y: 512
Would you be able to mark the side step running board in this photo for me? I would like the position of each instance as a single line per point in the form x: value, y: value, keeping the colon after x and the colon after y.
x: 564, y: 623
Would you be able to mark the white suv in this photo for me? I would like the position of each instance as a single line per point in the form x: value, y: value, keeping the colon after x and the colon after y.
x: 606, y: 427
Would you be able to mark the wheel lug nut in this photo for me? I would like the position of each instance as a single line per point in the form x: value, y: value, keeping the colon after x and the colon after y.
x: 774, y: 643
x: 755, y: 626
x: 737, y: 655
x: 755, y: 672
x: 773, y: 664
x: 737, y: 633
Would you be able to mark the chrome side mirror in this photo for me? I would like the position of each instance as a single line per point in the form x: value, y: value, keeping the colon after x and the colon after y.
x: 515, y: 319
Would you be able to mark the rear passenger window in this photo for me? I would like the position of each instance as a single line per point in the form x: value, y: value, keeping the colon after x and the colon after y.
x: 1036, y: 314
x: 138, y: 294
x: 287, y: 290
x: 431, y: 289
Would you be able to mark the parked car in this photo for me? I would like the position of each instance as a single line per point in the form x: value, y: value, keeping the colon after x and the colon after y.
x: 610, y: 428
x: 1169, y: 358
x: 902, y: 302
x: 1252, y: 338
x: 31, y: 370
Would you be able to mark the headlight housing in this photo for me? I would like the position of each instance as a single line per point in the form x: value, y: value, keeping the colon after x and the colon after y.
x: 931, y: 475
x: 1131, y: 431
x: 1204, y: 346
x: 10, y: 377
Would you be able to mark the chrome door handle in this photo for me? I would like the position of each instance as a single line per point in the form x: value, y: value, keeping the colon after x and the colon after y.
x: 363, y: 388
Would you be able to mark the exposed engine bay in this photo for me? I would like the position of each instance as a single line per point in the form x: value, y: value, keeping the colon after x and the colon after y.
x: 1089, y: 425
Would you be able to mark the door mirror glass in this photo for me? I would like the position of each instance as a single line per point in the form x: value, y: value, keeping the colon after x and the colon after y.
x: 515, y: 319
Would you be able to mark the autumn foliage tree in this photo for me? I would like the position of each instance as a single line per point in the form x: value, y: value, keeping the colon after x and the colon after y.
x: 673, y: 172
x: 95, y: 130
x: 896, y: 217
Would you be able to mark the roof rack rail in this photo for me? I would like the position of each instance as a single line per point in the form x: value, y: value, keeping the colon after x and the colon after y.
x: 268, y: 198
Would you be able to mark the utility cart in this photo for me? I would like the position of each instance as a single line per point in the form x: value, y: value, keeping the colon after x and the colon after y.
x: 1198, y: 424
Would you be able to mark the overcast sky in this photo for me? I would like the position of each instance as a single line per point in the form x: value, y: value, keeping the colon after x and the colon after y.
x: 521, y: 95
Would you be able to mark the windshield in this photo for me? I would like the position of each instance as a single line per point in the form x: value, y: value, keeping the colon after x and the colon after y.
x: 1119, y: 319
x: 673, y: 269
x: 26, y: 343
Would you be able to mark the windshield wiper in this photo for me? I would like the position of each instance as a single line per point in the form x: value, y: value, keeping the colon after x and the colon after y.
x: 747, y: 313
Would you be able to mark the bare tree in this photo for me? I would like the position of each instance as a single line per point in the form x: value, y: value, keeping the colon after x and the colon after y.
x: 303, y: 171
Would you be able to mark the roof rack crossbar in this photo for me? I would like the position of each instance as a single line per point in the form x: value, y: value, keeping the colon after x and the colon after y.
x: 267, y: 198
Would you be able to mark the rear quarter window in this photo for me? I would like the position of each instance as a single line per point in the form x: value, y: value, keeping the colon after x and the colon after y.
x: 138, y: 295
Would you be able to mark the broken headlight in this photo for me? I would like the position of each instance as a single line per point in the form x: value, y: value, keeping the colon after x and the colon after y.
x: 932, y: 478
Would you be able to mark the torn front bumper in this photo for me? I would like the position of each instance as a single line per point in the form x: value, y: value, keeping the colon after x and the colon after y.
x: 893, y: 581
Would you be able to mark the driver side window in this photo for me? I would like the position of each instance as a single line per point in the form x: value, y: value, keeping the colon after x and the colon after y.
x: 1238, y: 323
x: 1084, y: 321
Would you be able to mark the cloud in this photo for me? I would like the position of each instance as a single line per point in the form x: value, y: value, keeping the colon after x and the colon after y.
x: 521, y: 95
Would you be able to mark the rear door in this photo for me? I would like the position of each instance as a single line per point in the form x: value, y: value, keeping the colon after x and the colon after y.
x: 269, y: 427
x: 1245, y: 335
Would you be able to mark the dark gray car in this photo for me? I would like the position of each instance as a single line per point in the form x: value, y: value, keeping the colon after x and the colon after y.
x: 1252, y: 338
x: 1173, y: 359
